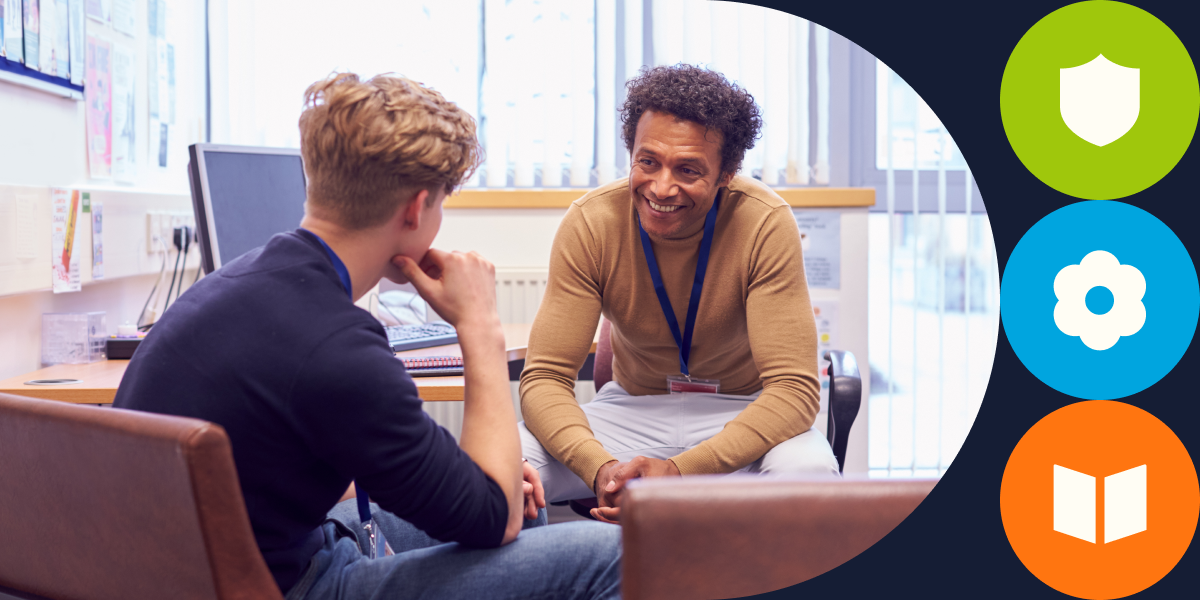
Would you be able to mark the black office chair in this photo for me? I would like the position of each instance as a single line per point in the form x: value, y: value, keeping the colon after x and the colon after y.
x: 845, y: 398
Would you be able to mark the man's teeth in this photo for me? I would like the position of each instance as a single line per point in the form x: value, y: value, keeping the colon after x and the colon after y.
x: 661, y: 208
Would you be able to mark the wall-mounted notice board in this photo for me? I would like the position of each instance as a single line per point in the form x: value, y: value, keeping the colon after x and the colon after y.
x: 41, y: 45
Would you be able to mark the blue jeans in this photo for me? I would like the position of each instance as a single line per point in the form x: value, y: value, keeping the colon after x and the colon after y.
x: 570, y: 560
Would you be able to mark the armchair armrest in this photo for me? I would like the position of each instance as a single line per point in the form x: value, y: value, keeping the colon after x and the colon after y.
x: 732, y: 536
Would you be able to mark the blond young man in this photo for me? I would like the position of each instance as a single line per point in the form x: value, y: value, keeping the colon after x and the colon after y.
x: 272, y: 348
x: 700, y: 272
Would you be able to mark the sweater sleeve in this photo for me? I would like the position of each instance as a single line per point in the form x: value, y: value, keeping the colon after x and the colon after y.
x: 360, y: 412
x: 558, y: 346
x: 783, y: 341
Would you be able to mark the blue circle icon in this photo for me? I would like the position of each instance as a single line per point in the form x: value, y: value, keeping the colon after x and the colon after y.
x: 1099, y: 300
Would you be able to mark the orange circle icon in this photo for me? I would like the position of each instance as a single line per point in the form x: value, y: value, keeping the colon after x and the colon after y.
x: 1100, y: 500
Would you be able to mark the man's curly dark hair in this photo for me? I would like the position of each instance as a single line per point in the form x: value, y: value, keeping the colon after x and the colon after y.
x: 698, y: 95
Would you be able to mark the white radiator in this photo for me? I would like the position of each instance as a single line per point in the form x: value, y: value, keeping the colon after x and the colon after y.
x: 518, y: 294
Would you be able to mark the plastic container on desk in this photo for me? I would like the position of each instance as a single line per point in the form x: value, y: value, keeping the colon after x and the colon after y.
x: 73, y: 338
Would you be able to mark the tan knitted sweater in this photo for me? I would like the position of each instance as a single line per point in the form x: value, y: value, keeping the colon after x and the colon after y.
x: 754, y: 327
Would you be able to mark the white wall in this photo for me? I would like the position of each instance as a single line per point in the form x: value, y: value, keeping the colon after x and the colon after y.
x: 42, y: 145
x: 509, y: 237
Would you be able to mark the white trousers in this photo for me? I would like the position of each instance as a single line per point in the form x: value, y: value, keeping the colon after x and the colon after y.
x: 663, y: 426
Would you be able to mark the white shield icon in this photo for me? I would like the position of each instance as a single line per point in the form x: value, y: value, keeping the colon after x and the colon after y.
x: 1100, y: 100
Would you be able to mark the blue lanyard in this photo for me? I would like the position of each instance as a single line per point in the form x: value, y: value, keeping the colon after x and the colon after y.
x: 338, y: 265
x: 364, y: 509
x: 685, y: 341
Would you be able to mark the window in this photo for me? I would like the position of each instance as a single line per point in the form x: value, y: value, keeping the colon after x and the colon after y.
x: 933, y: 285
x: 900, y: 117
x: 544, y: 80
x: 264, y: 53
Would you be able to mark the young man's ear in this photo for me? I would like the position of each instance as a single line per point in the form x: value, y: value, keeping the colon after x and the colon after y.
x: 412, y: 210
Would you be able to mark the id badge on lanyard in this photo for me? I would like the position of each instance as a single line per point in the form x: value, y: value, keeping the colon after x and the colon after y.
x: 377, y: 546
x: 685, y: 384
x: 677, y: 384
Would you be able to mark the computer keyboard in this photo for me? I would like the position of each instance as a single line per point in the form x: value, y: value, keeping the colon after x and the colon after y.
x: 436, y: 372
x: 411, y: 337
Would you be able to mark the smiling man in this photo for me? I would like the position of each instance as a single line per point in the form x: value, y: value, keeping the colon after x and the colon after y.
x: 699, y: 270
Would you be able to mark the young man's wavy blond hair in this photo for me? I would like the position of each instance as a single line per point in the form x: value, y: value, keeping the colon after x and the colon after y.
x: 369, y: 146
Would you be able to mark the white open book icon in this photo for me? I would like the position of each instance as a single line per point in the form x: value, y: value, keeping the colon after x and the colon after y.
x: 1124, y: 504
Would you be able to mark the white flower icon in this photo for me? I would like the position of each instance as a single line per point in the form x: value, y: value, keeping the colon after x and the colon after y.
x: 1100, y: 269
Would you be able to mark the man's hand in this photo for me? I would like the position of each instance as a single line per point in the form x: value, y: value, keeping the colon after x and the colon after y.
x: 609, y: 502
x: 458, y: 285
x: 612, y: 477
x: 535, y: 496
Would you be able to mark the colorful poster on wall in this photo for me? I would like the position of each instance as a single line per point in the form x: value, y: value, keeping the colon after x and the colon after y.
x: 98, y: 93
x: 821, y: 243
x: 160, y: 95
x: 124, y: 122
x: 825, y: 312
x: 62, y: 39
x: 75, y: 40
x: 14, y: 31
x: 100, y: 10
x: 97, y: 238
x: 66, y: 224
x: 171, y: 84
x: 152, y: 61
x: 32, y: 26
x: 160, y: 82
x: 47, y: 36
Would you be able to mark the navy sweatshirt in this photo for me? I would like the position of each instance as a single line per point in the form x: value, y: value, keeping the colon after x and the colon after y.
x: 271, y: 348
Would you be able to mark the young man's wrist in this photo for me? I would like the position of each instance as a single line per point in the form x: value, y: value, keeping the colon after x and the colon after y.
x: 483, y: 329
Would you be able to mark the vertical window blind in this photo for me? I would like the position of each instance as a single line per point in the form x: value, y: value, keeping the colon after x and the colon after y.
x: 933, y: 293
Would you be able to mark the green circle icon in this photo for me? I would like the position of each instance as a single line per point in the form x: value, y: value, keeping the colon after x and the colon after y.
x: 1099, y: 100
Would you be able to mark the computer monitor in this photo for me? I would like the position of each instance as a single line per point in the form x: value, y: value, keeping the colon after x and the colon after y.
x: 242, y: 196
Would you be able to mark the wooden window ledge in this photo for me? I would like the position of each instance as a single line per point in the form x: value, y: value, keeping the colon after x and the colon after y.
x: 805, y: 197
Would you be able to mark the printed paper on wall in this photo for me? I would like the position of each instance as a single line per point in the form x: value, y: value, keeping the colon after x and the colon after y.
x: 99, y: 107
x: 821, y: 241
x: 124, y: 122
x: 65, y: 230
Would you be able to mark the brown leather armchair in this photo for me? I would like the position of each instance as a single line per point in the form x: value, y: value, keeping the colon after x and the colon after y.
x: 110, y: 504
x: 737, y: 535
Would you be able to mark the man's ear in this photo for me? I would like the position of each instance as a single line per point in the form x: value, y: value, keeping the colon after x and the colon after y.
x: 724, y: 179
x: 412, y: 210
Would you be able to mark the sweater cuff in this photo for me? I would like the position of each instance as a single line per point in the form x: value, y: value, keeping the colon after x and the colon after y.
x: 587, y: 460
x: 697, y: 461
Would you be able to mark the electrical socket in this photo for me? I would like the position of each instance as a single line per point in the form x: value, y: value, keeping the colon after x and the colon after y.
x: 168, y: 229
x: 160, y: 228
x: 153, y: 232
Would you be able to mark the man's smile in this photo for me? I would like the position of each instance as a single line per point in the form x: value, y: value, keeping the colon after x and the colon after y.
x: 663, y: 208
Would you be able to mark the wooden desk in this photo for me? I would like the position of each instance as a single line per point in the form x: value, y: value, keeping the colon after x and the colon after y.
x: 100, y: 379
